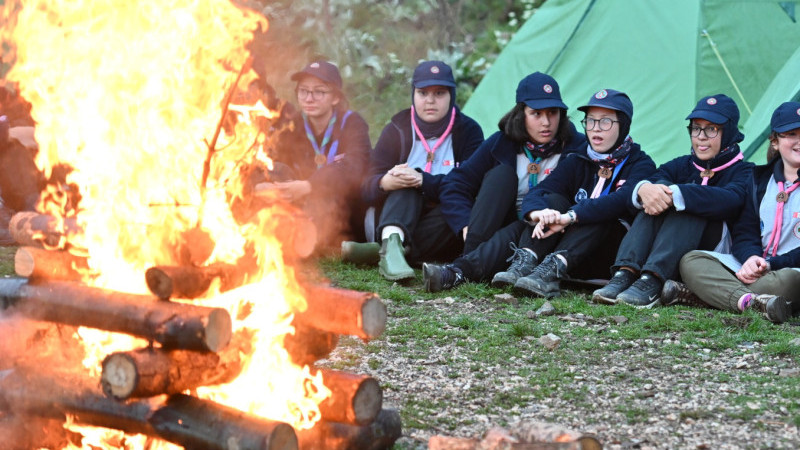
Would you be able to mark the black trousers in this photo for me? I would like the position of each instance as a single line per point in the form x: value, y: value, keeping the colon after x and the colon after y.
x: 495, y: 206
x: 426, y: 231
x: 656, y: 243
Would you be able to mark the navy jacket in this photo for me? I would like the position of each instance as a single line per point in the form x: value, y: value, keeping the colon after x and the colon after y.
x: 723, y: 197
x: 394, y: 146
x: 746, y: 232
x: 575, y: 178
x: 461, y: 186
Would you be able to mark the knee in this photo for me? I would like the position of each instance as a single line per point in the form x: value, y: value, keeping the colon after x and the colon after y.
x: 501, y: 173
x: 692, y: 262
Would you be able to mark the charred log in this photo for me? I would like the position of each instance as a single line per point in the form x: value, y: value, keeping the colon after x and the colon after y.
x: 36, y: 263
x: 173, y: 325
x: 344, y: 311
x: 308, y: 344
x: 355, y: 399
x: 32, y: 229
x: 191, y: 282
x: 380, y: 434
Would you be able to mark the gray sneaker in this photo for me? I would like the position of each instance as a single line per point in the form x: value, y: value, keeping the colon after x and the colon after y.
x: 607, y: 294
x: 545, y: 279
x: 643, y: 293
x: 523, y: 261
x: 774, y: 308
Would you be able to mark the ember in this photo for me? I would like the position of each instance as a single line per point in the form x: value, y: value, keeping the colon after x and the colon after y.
x: 129, y: 101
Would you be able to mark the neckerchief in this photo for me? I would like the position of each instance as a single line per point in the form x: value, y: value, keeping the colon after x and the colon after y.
x: 536, y: 153
x: 726, y: 158
x: 782, y: 198
x: 319, y: 150
x: 609, y: 163
x: 428, y: 149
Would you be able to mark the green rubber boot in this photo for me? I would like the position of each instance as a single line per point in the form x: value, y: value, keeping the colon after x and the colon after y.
x: 363, y: 253
x: 393, y: 265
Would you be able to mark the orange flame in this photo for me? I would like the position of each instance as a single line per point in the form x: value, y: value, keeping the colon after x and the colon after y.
x: 129, y: 95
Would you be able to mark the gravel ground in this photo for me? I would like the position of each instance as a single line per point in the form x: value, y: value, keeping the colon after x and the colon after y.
x: 638, y: 394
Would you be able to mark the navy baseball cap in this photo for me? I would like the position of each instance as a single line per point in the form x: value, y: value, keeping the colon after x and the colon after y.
x: 786, y: 117
x: 323, y: 70
x: 610, y: 99
x: 718, y: 108
x: 539, y: 91
x: 433, y: 73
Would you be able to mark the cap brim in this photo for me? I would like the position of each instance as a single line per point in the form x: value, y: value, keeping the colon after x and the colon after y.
x: 297, y: 76
x: 543, y: 104
x: 426, y: 83
x: 787, y: 127
x: 709, y: 116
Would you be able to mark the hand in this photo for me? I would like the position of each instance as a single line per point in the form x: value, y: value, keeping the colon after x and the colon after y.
x: 656, y: 198
x: 464, y: 233
x: 400, y: 177
x: 547, y: 216
x: 754, y: 268
x: 542, y: 230
x: 293, y: 190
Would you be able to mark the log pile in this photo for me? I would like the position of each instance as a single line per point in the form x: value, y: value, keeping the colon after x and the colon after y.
x: 143, y: 390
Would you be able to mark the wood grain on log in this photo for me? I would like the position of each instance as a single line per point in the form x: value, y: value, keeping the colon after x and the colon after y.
x: 344, y: 311
x: 36, y: 263
x: 173, y: 325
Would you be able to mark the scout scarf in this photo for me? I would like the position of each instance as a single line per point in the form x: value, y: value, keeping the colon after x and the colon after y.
x: 782, y: 198
x: 536, y: 153
x: 320, y: 158
x: 610, y: 165
x: 726, y: 158
x: 423, y: 137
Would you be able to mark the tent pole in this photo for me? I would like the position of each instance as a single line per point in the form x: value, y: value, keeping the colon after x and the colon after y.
x: 727, y: 72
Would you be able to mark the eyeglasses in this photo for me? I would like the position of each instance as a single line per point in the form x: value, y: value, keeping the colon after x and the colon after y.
x: 316, y: 94
x: 605, y: 123
x: 710, y: 131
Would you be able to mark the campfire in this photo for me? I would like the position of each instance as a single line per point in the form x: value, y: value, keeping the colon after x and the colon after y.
x: 181, y: 295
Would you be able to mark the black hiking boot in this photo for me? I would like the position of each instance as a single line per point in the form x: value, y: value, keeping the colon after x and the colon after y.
x: 607, y: 294
x: 523, y: 261
x: 677, y: 293
x: 441, y: 277
x: 544, y: 280
x: 643, y: 293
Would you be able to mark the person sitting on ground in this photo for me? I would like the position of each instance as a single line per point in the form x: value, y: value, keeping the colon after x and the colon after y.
x: 482, y: 197
x: 684, y: 206
x: 582, y: 209
x: 413, y: 154
x: 763, y: 271
x: 319, y: 163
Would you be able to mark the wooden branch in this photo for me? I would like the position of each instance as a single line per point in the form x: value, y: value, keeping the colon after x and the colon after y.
x: 32, y: 229
x: 203, y: 424
x: 191, y: 282
x: 174, y: 325
x: 36, y: 263
x: 344, y: 311
x: 154, y: 371
x: 308, y: 344
x: 380, y: 434
x: 355, y: 399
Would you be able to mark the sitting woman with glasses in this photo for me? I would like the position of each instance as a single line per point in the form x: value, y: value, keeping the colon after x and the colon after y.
x: 481, y: 199
x: 685, y: 205
x: 583, y: 208
x: 761, y: 273
x: 415, y: 151
x: 320, y: 160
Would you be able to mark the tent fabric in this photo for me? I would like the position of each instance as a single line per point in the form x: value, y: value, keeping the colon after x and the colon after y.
x: 662, y: 54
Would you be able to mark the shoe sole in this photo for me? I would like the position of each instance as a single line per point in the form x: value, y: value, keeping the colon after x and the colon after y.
x: 501, y: 283
x: 780, y: 312
x: 653, y: 303
x: 529, y: 291
x: 397, y: 277
x: 426, y: 278
x: 597, y: 298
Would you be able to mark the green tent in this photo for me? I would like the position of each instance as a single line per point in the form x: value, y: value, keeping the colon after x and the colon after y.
x: 665, y: 54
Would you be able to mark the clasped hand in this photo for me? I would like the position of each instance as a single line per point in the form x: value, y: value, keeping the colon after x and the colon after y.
x: 400, y: 177
x: 656, y: 198
x: 548, y: 222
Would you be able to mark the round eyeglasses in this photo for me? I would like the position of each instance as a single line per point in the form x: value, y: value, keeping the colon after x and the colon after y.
x: 710, y: 131
x: 605, y: 123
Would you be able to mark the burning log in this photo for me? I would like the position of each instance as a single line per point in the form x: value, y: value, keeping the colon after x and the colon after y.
x: 380, y: 434
x: 344, y: 311
x: 196, y: 423
x: 36, y: 263
x: 153, y: 371
x: 191, y: 282
x: 308, y: 344
x: 173, y: 325
x: 355, y: 399
x: 32, y: 229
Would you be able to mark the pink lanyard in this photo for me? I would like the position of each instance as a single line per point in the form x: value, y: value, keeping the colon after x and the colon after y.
x: 708, y: 173
x: 782, y: 198
x: 429, y: 163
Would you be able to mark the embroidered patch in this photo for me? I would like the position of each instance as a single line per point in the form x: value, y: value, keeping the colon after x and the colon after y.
x: 796, y: 215
x: 581, y: 195
x: 314, y: 65
x: 547, y: 171
x: 798, y: 111
x: 601, y: 94
x: 711, y: 101
x: 434, y: 69
x: 547, y: 88
x: 446, y: 162
x: 796, y: 230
